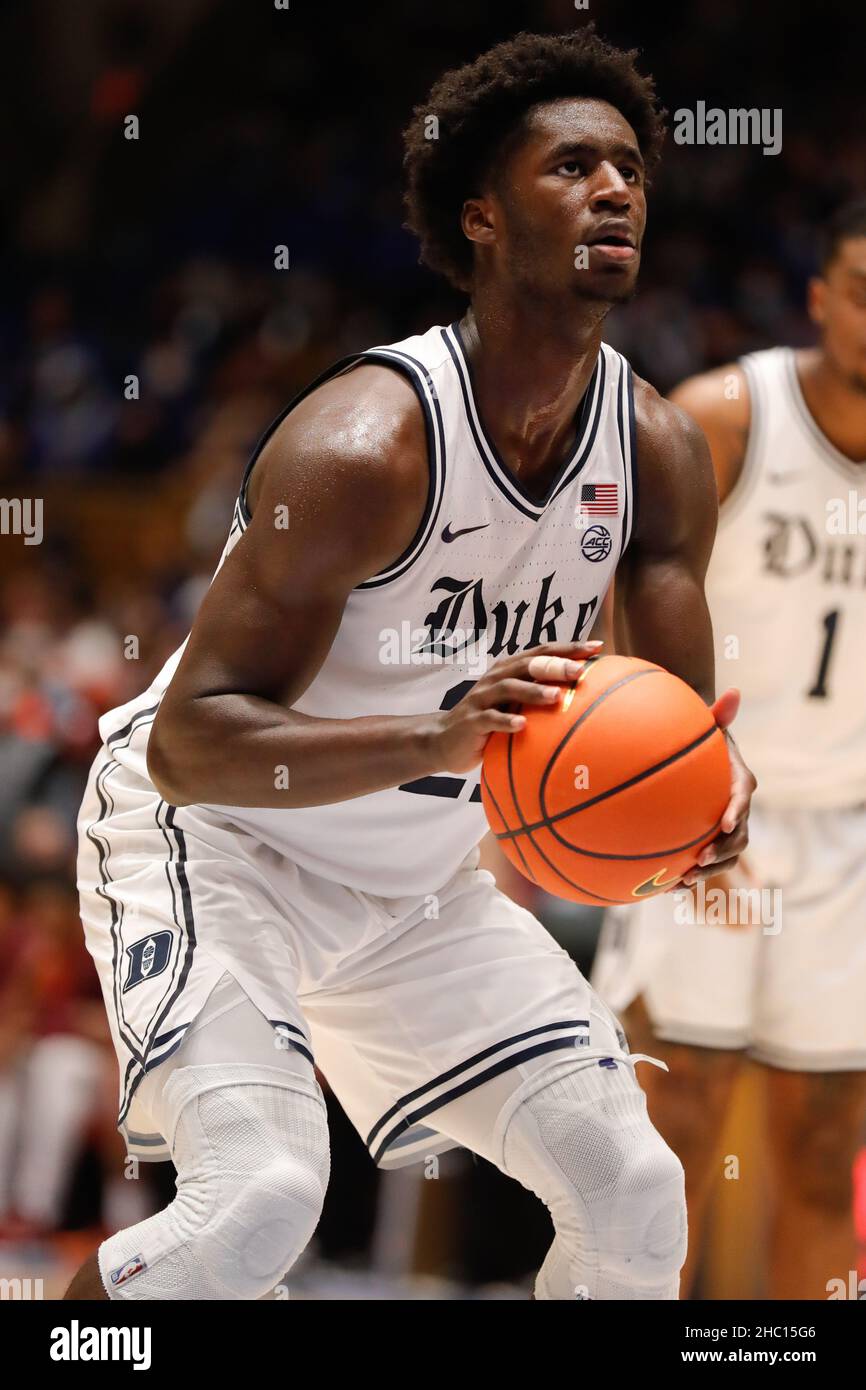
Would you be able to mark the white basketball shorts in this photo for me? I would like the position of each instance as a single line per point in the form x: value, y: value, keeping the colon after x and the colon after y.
x: 403, y: 1003
x: 786, y: 980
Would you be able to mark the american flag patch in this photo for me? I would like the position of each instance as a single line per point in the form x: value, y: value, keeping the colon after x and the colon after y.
x: 599, y: 499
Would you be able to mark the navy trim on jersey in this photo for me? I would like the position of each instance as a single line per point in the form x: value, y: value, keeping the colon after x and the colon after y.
x: 568, y: 1040
x: 129, y: 728
x: 635, y: 476
x: 336, y: 369
x: 103, y: 852
x: 628, y: 447
x: 596, y: 411
x: 417, y: 374
x: 187, y: 935
x: 154, y: 1060
x: 588, y: 417
x: 146, y: 1141
x: 420, y: 378
x: 439, y: 784
x: 278, y: 1023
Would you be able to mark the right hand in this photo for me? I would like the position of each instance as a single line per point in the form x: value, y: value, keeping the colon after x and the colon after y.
x: 528, y: 678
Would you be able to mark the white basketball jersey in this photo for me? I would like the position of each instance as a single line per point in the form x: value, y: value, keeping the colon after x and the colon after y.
x: 787, y: 593
x: 489, y: 572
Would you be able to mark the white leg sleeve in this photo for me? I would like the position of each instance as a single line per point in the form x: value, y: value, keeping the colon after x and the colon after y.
x: 585, y: 1145
x: 250, y: 1144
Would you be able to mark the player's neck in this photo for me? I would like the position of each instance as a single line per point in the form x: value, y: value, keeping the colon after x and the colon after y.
x: 530, y: 374
x: 838, y: 409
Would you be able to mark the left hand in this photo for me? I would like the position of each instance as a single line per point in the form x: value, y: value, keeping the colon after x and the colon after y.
x: 722, y: 854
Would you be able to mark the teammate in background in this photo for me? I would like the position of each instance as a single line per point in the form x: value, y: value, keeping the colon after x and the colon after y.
x: 279, y: 839
x: 787, y: 592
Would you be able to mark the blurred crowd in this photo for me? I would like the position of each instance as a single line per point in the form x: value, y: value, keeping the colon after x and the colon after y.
x: 146, y: 340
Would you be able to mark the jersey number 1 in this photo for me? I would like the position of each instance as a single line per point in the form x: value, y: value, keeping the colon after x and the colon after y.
x: 819, y: 689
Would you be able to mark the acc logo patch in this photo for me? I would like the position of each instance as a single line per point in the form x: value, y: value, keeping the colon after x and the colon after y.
x: 147, y: 958
x: 596, y: 544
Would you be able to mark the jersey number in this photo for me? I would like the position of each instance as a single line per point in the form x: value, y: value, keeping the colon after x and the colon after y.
x: 444, y: 786
x: 819, y: 689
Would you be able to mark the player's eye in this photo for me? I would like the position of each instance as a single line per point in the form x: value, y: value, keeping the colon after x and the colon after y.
x: 570, y: 166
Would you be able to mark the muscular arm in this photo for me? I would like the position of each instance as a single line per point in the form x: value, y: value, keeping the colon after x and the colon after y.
x: 349, y: 466
x: 660, y: 610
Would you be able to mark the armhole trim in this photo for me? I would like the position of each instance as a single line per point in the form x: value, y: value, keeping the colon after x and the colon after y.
x: 336, y: 369
x: 625, y: 420
x: 421, y: 380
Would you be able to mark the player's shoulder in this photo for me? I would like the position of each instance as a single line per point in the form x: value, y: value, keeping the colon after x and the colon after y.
x: 371, y: 412
x: 675, y: 474
x: 364, y: 427
x: 717, y: 398
x: 664, y: 426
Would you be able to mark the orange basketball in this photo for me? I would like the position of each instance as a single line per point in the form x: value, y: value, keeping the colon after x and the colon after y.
x: 609, y: 795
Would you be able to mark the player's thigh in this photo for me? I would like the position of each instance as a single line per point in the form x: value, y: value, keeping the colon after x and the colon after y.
x: 816, y: 1123
x: 233, y: 1041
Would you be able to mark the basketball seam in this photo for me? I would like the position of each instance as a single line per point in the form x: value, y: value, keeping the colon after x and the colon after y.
x: 549, y: 822
x: 581, y: 719
x: 496, y: 808
x: 572, y: 883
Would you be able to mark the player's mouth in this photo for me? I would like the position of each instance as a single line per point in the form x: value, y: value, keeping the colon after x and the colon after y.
x: 614, y: 242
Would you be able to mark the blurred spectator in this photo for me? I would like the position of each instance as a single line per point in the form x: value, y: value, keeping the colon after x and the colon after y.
x: 57, y: 1068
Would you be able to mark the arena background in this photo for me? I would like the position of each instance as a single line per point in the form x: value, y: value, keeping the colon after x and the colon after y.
x: 153, y: 258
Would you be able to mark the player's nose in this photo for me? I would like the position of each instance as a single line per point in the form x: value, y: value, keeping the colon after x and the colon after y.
x: 609, y: 187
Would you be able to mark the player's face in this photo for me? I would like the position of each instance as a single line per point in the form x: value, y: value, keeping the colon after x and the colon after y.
x: 569, y: 205
x: 837, y: 303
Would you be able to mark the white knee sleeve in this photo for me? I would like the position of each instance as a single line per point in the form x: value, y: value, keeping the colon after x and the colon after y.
x: 585, y: 1145
x: 250, y: 1144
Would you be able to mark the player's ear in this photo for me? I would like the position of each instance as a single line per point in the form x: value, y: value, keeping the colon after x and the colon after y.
x: 816, y: 298
x: 478, y: 220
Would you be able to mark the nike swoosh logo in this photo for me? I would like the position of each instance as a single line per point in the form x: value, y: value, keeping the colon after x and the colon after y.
x: 784, y: 477
x: 653, y: 885
x: 448, y: 535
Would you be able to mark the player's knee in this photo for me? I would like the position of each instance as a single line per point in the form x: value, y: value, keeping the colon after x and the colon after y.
x: 253, y: 1165
x: 246, y: 1233
x: 646, y: 1240
x: 262, y: 1154
x: 614, y: 1188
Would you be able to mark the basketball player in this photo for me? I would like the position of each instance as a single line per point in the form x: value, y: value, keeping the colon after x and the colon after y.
x: 279, y: 839
x: 787, y: 592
